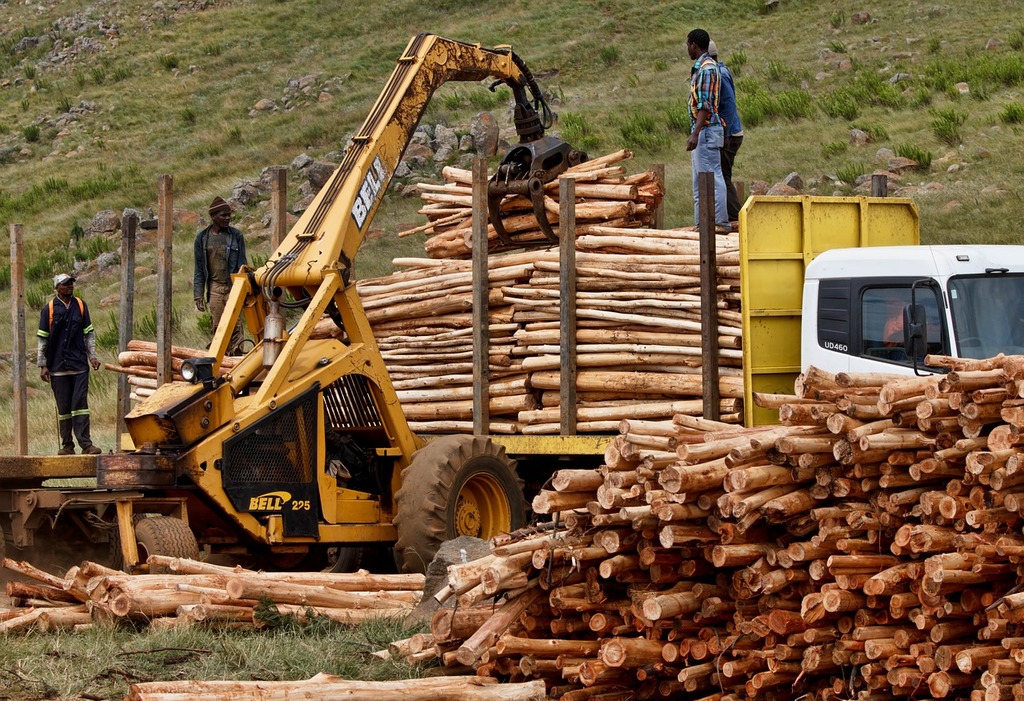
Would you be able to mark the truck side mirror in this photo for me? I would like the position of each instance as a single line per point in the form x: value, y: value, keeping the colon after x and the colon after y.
x: 915, y: 331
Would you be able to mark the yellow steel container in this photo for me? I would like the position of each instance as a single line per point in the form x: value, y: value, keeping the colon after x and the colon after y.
x: 779, y: 237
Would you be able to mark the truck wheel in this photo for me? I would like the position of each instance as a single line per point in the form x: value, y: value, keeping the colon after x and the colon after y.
x: 455, y: 486
x: 158, y: 535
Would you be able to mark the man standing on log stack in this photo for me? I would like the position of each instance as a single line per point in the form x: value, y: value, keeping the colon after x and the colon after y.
x: 219, y: 252
x: 67, y: 346
x: 706, y: 133
x: 733, y: 129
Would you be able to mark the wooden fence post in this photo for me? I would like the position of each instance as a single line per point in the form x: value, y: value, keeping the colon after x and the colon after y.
x: 708, y: 297
x: 481, y: 311
x: 18, y: 343
x: 567, y: 295
x: 126, y: 322
x: 278, y: 207
x: 164, y: 290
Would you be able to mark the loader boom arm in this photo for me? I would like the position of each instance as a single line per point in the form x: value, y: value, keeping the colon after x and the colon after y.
x: 330, y: 231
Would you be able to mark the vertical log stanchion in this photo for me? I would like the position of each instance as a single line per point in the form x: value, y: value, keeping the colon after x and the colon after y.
x: 164, y: 290
x: 278, y: 207
x: 708, y: 297
x: 658, y: 220
x: 567, y: 294
x: 879, y: 185
x: 126, y: 322
x: 18, y: 345
x: 481, y: 312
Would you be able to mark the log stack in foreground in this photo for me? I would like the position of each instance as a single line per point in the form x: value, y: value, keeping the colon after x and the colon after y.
x: 871, y: 547
x: 191, y: 593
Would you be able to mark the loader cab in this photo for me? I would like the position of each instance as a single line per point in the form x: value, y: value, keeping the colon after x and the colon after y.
x: 856, y: 302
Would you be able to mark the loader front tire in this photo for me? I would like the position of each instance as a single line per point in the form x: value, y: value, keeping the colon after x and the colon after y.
x: 455, y: 486
x: 165, y: 535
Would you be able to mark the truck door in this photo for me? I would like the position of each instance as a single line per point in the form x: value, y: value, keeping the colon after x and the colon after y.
x: 859, y: 324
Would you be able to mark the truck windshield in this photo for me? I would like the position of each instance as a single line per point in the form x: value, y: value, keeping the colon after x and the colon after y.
x: 988, y: 314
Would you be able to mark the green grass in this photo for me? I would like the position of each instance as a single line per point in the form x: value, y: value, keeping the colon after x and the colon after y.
x: 947, y: 125
x: 915, y: 153
x: 102, y: 662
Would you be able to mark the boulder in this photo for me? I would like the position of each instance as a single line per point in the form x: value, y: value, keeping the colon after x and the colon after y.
x: 104, y: 222
x: 319, y: 173
x: 899, y: 164
x: 460, y: 550
x: 246, y: 193
x: 485, y: 132
x: 446, y: 141
x: 782, y: 189
x: 301, y: 161
x: 794, y: 181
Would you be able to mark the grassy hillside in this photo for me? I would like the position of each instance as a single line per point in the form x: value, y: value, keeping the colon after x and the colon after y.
x: 101, y: 98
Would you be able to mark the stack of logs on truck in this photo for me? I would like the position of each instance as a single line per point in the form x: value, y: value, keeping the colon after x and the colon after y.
x: 869, y: 547
x: 638, y: 349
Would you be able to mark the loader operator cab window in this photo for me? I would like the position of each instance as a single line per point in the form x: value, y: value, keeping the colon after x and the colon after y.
x: 882, y: 322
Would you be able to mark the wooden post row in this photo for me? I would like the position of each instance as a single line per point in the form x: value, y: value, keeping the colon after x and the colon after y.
x: 164, y: 291
x: 481, y: 315
x: 18, y: 343
x: 278, y: 207
x: 126, y: 322
x: 567, y: 292
x: 708, y: 297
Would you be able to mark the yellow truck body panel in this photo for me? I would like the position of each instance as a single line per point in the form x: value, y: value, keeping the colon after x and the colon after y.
x: 779, y: 237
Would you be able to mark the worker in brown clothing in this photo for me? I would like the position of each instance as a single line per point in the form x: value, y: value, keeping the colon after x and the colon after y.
x: 219, y: 252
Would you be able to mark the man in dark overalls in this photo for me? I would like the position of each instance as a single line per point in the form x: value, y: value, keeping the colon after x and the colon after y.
x: 67, y: 346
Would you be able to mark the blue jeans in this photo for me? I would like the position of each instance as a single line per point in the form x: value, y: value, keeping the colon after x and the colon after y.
x: 707, y: 158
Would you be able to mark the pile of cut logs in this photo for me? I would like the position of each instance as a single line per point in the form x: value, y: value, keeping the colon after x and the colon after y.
x: 638, y: 309
x: 870, y: 547
x: 190, y: 592
x: 140, y: 360
x: 638, y: 306
x: 604, y: 195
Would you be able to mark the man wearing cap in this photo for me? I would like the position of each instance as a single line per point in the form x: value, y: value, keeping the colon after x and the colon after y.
x: 706, y: 133
x: 67, y: 346
x: 219, y: 252
x: 733, y: 133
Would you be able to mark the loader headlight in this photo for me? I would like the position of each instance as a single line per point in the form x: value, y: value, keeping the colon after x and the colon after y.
x: 196, y: 370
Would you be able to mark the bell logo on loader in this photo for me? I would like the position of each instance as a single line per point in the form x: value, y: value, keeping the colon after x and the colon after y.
x: 271, y: 501
x: 369, y: 192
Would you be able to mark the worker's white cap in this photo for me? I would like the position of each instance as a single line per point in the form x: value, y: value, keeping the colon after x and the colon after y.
x: 712, y: 49
x: 62, y: 279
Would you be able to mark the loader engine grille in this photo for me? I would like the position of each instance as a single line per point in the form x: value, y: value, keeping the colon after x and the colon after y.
x: 348, y: 403
x: 280, y: 448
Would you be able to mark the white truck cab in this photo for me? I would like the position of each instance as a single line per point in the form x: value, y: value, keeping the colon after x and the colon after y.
x: 854, y: 301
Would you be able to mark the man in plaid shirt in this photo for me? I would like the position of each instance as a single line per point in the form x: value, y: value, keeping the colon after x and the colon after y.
x: 706, y: 133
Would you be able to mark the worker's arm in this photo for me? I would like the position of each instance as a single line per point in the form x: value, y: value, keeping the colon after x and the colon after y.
x: 199, y: 273
x: 90, y: 341
x: 43, y: 334
x: 702, y: 119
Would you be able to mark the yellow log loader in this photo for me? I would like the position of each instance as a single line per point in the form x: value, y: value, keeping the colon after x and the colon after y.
x: 303, y: 448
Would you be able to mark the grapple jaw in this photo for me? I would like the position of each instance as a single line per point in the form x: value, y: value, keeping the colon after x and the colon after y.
x: 525, y: 170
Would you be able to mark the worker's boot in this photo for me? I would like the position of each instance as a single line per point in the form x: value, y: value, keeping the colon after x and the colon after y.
x: 66, y: 450
x: 91, y: 450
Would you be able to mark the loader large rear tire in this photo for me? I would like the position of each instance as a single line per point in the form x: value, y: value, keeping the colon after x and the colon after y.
x: 165, y: 535
x: 455, y: 486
